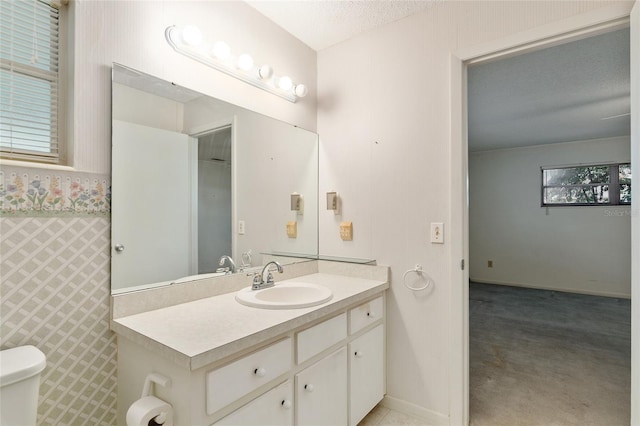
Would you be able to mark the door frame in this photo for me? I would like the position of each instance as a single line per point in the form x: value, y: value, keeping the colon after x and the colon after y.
x: 574, y: 28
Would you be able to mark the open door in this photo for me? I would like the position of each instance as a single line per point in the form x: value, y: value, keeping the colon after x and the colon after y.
x: 150, y: 223
x: 635, y: 214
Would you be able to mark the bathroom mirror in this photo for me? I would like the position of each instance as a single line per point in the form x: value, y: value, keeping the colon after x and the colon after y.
x: 195, y: 178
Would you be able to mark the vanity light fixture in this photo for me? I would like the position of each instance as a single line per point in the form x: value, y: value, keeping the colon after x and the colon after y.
x: 188, y: 41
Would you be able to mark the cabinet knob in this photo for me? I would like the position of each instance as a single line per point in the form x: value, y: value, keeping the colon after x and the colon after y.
x: 358, y: 354
x: 286, y: 404
x: 260, y: 372
x: 119, y: 248
x: 371, y: 314
x: 308, y: 388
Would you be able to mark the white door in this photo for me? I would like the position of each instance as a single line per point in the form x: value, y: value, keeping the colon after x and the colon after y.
x: 366, y: 372
x: 321, y: 392
x: 635, y: 216
x: 150, y: 221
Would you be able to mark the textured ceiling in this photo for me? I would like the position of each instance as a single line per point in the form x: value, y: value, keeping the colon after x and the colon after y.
x: 557, y: 94
x: 323, y: 23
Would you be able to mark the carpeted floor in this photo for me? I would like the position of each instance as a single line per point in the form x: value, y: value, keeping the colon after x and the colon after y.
x: 541, y: 357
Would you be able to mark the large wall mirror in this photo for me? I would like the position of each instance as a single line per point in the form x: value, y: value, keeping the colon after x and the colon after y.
x: 195, y: 178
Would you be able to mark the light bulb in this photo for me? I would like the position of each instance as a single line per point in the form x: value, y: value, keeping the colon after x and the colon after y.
x: 245, y: 62
x: 265, y: 72
x: 221, y: 50
x: 301, y: 90
x: 285, y: 83
x: 191, y: 35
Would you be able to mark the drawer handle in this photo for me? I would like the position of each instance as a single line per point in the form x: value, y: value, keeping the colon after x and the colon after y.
x: 308, y: 388
x: 371, y: 314
x: 260, y: 372
x: 286, y: 404
x: 358, y: 354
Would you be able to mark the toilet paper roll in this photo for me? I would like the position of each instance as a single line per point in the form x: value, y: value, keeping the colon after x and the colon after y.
x: 150, y: 410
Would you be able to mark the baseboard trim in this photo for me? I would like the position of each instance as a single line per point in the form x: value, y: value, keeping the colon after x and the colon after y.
x: 543, y: 287
x: 431, y: 417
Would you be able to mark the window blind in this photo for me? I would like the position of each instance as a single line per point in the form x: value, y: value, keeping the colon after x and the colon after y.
x: 29, y: 80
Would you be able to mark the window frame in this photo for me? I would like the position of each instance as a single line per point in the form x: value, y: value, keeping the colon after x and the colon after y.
x: 613, y: 185
x: 62, y: 117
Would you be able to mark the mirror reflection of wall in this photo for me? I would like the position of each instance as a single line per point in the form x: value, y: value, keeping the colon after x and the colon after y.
x: 176, y: 208
x: 214, y: 198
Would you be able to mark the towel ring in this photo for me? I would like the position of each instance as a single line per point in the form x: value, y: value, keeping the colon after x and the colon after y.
x: 418, y: 270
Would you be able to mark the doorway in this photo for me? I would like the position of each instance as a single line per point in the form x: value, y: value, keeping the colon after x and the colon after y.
x: 537, y: 355
x: 580, y: 27
x: 214, y: 198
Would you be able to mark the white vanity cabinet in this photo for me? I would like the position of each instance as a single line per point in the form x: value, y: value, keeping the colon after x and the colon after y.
x: 321, y: 392
x: 338, y: 376
x: 233, y: 365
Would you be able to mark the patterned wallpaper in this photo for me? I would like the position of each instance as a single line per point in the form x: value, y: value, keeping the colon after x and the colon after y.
x: 54, y: 288
x: 36, y: 192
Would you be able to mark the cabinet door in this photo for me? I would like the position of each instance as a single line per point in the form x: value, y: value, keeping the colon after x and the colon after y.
x: 366, y: 373
x: 321, y: 392
x: 274, y: 408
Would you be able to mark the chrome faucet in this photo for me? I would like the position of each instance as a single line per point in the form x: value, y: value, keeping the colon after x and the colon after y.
x: 259, y: 281
x: 232, y: 265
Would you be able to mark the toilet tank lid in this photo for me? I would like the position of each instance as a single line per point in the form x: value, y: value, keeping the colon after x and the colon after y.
x: 20, y: 363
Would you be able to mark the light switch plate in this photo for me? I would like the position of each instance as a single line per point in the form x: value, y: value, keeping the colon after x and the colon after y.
x: 346, y: 231
x: 437, y: 233
x: 297, y: 203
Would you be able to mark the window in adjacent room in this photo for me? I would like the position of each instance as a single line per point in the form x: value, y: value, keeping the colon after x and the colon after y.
x: 29, y: 80
x: 587, y: 185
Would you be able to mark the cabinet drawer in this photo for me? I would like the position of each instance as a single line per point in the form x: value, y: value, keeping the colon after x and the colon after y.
x: 274, y: 408
x: 365, y: 314
x: 228, y: 383
x: 314, y: 340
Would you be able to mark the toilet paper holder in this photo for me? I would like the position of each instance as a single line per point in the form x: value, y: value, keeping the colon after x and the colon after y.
x: 150, y: 410
x: 152, y: 378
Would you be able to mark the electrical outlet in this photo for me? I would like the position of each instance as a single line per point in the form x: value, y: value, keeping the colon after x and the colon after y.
x: 489, y: 263
x: 241, y: 227
x: 292, y: 229
x: 346, y: 231
x: 437, y: 233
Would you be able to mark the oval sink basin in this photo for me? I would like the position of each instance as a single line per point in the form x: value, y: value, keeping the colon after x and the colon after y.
x: 286, y: 295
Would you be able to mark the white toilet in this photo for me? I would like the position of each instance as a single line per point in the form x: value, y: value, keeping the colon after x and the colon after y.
x: 20, y: 370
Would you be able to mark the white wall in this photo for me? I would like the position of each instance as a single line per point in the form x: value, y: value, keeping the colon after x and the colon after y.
x: 132, y: 33
x: 577, y: 249
x: 384, y: 123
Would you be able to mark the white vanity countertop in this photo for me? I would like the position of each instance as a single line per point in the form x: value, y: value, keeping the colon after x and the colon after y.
x: 198, y: 333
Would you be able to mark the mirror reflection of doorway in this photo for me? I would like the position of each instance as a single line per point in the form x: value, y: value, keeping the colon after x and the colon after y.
x: 214, y: 198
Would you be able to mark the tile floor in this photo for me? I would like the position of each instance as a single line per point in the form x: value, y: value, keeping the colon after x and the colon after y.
x: 382, y: 416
